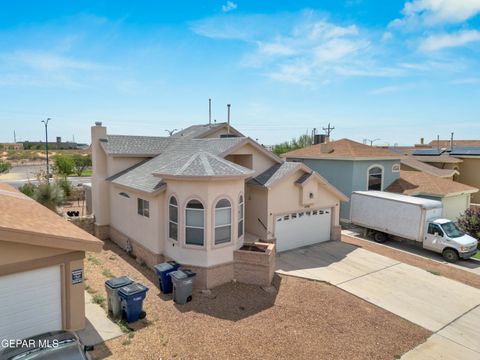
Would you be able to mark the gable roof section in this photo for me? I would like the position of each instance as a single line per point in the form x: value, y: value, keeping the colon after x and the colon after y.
x: 201, y: 131
x: 420, y: 183
x: 412, y: 162
x: 202, y: 164
x: 343, y: 149
x: 277, y: 172
x: 43, y: 227
x: 141, y: 146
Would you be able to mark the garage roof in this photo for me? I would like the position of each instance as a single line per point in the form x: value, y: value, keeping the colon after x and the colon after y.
x: 23, y: 220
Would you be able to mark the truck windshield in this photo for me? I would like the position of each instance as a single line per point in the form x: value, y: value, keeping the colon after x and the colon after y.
x: 452, y: 230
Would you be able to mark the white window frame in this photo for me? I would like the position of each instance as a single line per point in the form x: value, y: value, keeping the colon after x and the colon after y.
x: 170, y: 220
x: 383, y: 175
x: 141, y: 207
x: 241, y: 210
x: 215, y: 227
x: 194, y: 227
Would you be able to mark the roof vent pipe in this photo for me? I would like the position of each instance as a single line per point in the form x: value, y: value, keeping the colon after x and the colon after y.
x: 209, y: 111
x: 228, y: 118
x: 451, y: 141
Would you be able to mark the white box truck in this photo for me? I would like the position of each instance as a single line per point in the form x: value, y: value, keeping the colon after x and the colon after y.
x: 386, y: 214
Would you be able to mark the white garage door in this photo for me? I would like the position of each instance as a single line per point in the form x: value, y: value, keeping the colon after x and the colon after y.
x: 302, y: 228
x: 30, y: 303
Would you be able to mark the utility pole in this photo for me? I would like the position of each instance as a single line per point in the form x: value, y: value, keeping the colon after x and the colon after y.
x: 328, y: 130
x: 45, y: 122
x: 14, y: 137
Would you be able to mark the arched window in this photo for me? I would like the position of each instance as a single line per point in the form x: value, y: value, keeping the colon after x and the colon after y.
x: 223, y: 222
x: 194, y: 223
x: 241, y: 214
x: 375, y: 180
x: 173, y: 218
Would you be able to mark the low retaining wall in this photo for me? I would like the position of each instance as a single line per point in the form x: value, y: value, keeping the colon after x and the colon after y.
x: 252, y: 267
x: 86, y: 223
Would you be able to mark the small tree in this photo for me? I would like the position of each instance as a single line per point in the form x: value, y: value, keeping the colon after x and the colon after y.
x: 63, y: 165
x: 4, y: 167
x: 469, y: 222
x: 296, y: 143
x: 81, y: 162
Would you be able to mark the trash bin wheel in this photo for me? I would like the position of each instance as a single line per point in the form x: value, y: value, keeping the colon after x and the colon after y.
x: 189, y: 298
x: 142, y: 315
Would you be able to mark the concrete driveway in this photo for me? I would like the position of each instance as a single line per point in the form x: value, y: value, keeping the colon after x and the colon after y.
x: 446, y: 307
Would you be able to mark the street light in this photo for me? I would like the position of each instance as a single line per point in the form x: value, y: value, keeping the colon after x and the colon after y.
x: 45, y: 122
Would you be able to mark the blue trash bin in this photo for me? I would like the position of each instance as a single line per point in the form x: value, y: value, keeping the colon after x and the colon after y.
x: 163, y: 271
x: 112, y: 286
x: 132, y: 297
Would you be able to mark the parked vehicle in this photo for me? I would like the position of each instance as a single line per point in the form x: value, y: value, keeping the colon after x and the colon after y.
x: 63, y: 345
x: 386, y: 214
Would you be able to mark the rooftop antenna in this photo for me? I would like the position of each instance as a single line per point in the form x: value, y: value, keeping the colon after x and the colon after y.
x: 170, y: 132
x: 438, y: 143
x: 328, y: 130
x: 451, y: 141
x: 371, y: 141
x: 209, y: 111
x: 228, y: 118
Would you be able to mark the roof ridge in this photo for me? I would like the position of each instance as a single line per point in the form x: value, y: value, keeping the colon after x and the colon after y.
x: 203, y: 158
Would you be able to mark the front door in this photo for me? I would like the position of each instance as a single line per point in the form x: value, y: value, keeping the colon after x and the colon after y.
x: 434, y: 239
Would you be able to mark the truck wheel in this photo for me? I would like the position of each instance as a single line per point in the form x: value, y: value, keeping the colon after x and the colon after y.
x: 380, y: 237
x: 450, y: 255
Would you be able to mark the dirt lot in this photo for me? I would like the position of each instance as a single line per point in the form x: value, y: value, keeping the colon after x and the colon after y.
x: 435, y: 267
x: 304, y: 320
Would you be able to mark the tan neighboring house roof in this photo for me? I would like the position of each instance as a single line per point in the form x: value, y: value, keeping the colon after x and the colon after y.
x: 343, y: 149
x: 420, y: 183
x: 412, y: 162
x: 461, y: 143
x: 444, y: 158
x: 25, y: 221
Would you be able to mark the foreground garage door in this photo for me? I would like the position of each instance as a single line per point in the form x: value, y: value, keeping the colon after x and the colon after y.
x: 30, y: 303
x: 302, y: 228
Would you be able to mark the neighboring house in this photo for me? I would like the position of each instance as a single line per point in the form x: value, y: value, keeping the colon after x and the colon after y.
x: 197, y: 199
x: 419, y: 163
x: 41, y: 268
x: 11, y: 146
x: 454, y: 196
x: 350, y: 166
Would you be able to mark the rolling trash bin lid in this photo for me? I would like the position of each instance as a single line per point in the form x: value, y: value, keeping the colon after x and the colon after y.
x: 118, y: 282
x: 163, y: 267
x: 182, y: 274
x: 133, y: 289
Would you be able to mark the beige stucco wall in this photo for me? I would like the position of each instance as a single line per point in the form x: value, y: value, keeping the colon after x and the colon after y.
x: 256, y: 207
x: 208, y: 192
x: 124, y: 217
x: 100, y: 193
x: 287, y: 197
x: 260, y: 161
x: 13, y: 253
x: 117, y: 164
x: 470, y: 175
x: 221, y: 131
x: 75, y: 298
x: 454, y: 206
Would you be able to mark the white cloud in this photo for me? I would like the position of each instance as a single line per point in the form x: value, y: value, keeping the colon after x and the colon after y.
x: 442, y: 41
x: 47, y: 62
x: 229, y: 6
x: 435, y: 12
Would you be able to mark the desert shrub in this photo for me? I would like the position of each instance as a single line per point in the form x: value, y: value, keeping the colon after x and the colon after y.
x: 469, y: 222
x: 65, y: 185
x: 49, y: 195
x: 4, y: 167
x: 28, y: 189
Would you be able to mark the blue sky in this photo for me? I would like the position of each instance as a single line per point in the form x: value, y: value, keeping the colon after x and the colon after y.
x: 394, y: 70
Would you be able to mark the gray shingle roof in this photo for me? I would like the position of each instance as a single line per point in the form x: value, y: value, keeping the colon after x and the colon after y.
x: 199, y: 131
x: 276, y: 172
x: 202, y: 163
x: 141, y: 177
x: 135, y: 145
x: 303, y: 178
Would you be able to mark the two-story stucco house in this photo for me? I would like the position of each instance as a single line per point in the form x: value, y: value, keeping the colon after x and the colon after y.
x: 350, y: 166
x: 199, y: 195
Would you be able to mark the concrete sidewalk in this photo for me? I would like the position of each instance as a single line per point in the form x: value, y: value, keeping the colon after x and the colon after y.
x: 99, y: 327
x: 433, y: 302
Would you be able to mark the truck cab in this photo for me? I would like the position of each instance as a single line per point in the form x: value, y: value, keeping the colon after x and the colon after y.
x: 444, y: 237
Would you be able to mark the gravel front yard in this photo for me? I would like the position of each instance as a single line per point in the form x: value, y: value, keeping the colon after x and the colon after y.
x: 305, y: 320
